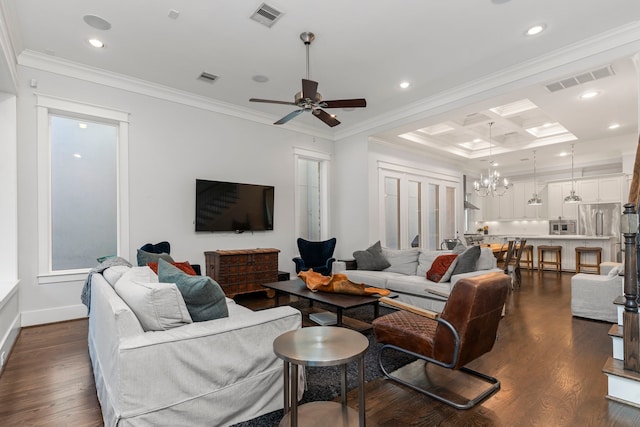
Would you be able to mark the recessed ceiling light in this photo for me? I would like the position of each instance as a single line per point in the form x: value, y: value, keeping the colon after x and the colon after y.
x: 96, y: 43
x: 477, y: 140
x: 614, y: 126
x: 405, y: 85
x: 77, y: 156
x: 260, y: 79
x: 589, y: 94
x: 536, y: 29
x: 563, y: 154
x: 82, y: 125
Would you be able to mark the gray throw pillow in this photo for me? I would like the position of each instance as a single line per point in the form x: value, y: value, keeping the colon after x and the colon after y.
x: 466, y: 261
x: 371, y: 258
x: 145, y: 257
x: 459, y: 248
x: 204, y: 297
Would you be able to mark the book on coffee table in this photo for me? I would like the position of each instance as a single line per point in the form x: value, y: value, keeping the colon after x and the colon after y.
x: 324, y: 318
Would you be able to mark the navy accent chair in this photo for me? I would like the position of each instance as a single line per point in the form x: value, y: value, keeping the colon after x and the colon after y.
x: 165, y: 247
x: 315, y: 255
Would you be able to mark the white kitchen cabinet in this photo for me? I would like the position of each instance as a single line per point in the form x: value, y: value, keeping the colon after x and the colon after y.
x: 557, y: 208
x: 588, y: 190
x: 522, y: 192
x: 505, y: 204
x: 610, y: 189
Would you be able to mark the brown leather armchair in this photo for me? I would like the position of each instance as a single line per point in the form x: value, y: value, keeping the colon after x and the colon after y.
x: 465, y: 330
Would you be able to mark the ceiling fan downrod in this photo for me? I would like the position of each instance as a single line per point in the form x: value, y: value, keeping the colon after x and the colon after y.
x: 307, y: 38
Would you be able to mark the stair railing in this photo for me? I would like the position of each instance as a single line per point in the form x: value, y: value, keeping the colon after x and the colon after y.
x: 630, y: 318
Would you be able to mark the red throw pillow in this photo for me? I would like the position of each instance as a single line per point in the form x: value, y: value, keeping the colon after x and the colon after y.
x: 440, y: 266
x: 184, y: 266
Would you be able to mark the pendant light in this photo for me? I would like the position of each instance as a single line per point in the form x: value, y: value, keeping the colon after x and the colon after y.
x: 535, y: 200
x: 491, y: 184
x: 572, y: 197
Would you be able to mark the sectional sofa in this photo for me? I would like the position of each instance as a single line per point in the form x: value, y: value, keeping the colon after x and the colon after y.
x: 215, y: 372
x: 407, y: 271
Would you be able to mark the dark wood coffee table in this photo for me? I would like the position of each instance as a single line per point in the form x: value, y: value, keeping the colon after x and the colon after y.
x: 339, y: 301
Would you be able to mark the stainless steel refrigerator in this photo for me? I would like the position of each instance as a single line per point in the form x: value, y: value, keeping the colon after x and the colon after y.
x: 601, y: 219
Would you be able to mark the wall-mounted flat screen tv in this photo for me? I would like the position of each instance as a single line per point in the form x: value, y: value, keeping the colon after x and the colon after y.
x: 232, y: 206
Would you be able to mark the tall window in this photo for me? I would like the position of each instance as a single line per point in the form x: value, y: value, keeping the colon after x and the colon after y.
x: 311, y: 195
x: 417, y: 208
x: 83, y: 192
x: 82, y: 185
x: 392, y: 212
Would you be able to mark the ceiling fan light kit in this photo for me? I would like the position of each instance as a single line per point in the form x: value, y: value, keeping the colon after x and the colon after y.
x: 310, y: 100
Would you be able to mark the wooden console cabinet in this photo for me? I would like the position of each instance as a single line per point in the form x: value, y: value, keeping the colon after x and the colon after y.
x: 242, y: 271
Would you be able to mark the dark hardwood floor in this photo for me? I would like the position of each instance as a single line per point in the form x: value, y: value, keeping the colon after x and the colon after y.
x: 548, y: 362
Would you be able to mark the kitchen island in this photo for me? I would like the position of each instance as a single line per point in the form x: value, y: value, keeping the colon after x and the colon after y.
x: 610, y: 246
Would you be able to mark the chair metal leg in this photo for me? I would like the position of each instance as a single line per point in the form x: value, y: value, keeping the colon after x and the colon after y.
x: 485, y: 394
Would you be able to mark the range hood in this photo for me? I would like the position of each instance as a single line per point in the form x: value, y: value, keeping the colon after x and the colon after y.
x: 467, y: 204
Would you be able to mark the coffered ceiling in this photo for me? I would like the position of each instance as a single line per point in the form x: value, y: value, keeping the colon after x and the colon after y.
x: 467, y: 62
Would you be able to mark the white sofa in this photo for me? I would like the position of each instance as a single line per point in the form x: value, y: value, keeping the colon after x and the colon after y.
x: 214, y: 373
x: 592, y: 295
x: 407, y: 276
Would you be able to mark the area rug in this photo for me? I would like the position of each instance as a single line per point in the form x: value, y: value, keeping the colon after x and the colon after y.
x: 323, y: 383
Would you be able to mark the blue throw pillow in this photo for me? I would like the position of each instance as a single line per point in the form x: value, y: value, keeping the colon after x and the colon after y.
x: 204, y: 298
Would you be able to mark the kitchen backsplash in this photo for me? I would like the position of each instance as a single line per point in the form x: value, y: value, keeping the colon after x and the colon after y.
x: 515, y: 228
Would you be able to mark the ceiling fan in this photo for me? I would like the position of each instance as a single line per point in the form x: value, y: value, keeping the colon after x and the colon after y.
x: 309, y: 99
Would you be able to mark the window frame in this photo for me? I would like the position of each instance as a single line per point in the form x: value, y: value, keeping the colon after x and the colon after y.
x: 408, y: 174
x: 325, y: 160
x: 46, y: 106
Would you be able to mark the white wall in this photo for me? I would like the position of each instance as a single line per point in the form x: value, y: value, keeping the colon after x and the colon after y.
x: 9, y: 311
x: 356, y: 192
x: 170, y: 145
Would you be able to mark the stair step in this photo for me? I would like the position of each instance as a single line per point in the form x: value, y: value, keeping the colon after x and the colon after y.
x: 619, y: 303
x: 616, y: 331
x: 623, y: 385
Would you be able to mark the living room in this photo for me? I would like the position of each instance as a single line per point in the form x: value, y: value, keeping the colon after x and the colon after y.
x: 176, y: 137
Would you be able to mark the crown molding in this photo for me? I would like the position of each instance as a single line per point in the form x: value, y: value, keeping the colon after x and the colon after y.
x: 605, y: 47
x: 31, y: 59
x: 7, y: 46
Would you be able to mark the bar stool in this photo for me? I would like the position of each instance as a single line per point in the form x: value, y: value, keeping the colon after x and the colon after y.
x: 556, y: 251
x: 527, y: 257
x: 580, y: 250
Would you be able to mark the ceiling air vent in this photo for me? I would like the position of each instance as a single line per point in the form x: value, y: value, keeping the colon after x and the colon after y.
x: 579, y: 79
x: 266, y: 15
x: 208, y: 77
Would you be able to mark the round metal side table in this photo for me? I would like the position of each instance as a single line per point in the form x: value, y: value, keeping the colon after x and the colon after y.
x: 321, y: 346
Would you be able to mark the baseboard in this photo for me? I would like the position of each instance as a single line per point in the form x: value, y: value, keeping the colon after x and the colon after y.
x: 52, y: 315
x: 8, y: 341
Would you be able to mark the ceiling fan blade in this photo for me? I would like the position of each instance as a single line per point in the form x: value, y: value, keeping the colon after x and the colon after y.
x: 309, y: 89
x: 344, y: 103
x: 288, y: 117
x: 326, y: 117
x: 270, y: 101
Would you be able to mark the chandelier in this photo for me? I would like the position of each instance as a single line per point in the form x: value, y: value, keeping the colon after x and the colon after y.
x: 535, y: 200
x: 491, y: 184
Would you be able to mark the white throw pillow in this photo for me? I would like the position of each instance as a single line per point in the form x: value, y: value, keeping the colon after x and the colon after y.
x: 487, y: 260
x: 113, y: 274
x: 404, y: 261
x: 617, y: 270
x: 158, y: 306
